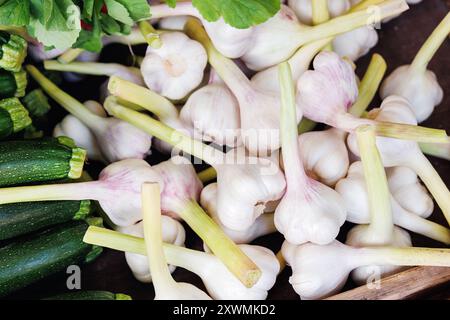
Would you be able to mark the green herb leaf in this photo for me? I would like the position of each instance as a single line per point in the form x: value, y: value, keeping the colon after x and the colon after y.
x: 88, y: 9
x: 138, y: 9
x: 240, y: 14
x: 118, y: 11
x: 171, y: 3
x: 15, y: 13
x: 55, y: 23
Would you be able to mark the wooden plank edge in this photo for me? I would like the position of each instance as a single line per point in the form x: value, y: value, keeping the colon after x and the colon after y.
x: 399, y: 286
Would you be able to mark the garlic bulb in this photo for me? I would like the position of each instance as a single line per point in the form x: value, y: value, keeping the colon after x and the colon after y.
x: 309, y: 210
x: 182, y: 183
x: 117, y: 139
x: 175, y: 69
x: 319, y: 271
x: 325, y: 155
x: 409, y: 191
x: 175, y: 23
x: 414, y: 82
x: 82, y: 135
x: 262, y: 226
x: 303, y: 9
x: 396, y: 152
x: 356, y: 43
x: 172, y: 232
x: 326, y: 93
x: 230, y: 41
x: 213, y: 113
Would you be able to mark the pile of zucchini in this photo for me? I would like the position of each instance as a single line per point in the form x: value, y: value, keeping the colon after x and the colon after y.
x: 41, y: 238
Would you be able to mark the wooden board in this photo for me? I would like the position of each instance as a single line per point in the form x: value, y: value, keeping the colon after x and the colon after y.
x: 411, y: 283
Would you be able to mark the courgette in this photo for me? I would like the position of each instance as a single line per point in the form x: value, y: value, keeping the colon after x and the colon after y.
x: 39, y: 255
x: 90, y: 295
x: 13, y: 50
x: 46, y: 159
x: 21, y: 218
x: 37, y: 103
x: 13, y: 117
x: 12, y: 84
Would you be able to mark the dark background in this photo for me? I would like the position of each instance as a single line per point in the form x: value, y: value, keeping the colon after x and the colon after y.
x: 400, y: 39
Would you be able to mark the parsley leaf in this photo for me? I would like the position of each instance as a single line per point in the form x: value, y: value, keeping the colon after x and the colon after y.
x: 117, y: 11
x: 55, y: 23
x: 171, y: 3
x: 240, y: 14
x: 15, y: 13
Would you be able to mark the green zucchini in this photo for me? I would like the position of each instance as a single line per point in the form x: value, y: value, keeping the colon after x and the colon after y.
x: 12, y: 84
x: 13, y: 50
x: 13, y: 117
x: 37, y: 103
x: 46, y: 159
x: 90, y: 295
x: 39, y: 255
x: 17, y: 219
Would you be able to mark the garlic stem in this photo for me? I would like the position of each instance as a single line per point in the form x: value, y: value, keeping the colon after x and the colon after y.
x: 381, y: 226
x: 69, y: 103
x: 369, y: 85
x: 165, y: 133
x: 134, y: 38
x: 320, y: 14
x: 70, y: 191
x: 349, y: 123
x: 220, y: 244
x: 147, y: 99
x: 182, y: 9
x: 350, y: 21
x: 431, y: 46
x: 228, y: 71
x: 293, y: 166
x: 365, y: 4
x: 439, y: 150
x: 367, y: 91
x: 92, y: 68
x: 151, y: 211
x: 425, y: 170
x: 179, y: 256
x: 207, y: 175
x: 405, y: 256
x: 70, y: 55
x: 419, y: 225
x: 150, y: 35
